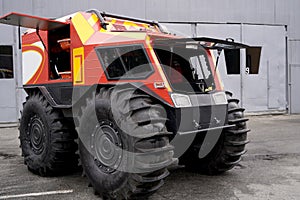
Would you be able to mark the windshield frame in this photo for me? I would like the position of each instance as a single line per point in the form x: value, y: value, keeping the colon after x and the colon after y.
x: 201, y: 51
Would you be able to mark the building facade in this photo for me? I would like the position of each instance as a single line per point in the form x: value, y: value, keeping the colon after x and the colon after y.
x: 270, y: 26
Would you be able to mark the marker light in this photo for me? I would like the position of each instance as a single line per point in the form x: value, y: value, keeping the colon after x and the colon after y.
x: 181, y: 100
x: 220, y: 98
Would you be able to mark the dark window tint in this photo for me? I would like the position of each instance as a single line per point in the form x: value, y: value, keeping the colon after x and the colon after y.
x: 129, y: 62
x: 252, y: 60
x: 6, y: 62
x: 232, y: 58
x: 187, y: 68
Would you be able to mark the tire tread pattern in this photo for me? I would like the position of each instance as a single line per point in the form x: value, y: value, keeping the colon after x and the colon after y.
x: 139, y: 115
x: 59, y: 157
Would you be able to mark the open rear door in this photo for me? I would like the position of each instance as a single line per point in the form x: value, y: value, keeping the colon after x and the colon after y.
x: 28, y: 21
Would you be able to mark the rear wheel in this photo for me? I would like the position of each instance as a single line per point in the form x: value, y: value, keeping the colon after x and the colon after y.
x: 230, y: 147
x: 47, y: 138
x: 124, y: 148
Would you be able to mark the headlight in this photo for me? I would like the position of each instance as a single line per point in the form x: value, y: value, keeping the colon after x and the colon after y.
x: 220, y: 98
x: 181, y: 100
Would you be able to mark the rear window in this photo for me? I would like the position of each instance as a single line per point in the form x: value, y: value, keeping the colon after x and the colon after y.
x: 125, y: 62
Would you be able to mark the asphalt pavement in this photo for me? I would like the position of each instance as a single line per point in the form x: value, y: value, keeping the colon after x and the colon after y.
x: 269, y: 170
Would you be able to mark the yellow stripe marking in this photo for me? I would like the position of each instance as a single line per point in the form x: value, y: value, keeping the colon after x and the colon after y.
x: 128, y: 24
x: 83, y: 28
x: 78, y: 66
x: 161, y: 72
x: 93, y: 20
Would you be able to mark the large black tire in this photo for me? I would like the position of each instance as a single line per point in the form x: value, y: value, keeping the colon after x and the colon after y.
x: 228, y: 150
x: 134, y: 125
x: 47, y: 138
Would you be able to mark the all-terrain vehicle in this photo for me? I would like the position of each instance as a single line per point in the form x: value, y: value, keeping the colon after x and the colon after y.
x: 125, y: 99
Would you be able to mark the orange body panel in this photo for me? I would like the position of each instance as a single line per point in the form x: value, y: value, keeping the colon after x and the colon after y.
x: 86, y: 33
x: 31, y: 44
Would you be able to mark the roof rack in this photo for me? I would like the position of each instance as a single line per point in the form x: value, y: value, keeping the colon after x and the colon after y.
x: 101, y: 16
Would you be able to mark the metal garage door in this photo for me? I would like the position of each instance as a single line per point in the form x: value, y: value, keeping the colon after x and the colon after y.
x: 265, y: 91
x: 8, y: 102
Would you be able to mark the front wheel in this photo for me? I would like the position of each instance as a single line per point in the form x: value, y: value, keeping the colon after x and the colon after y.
x: 229, y: 149
x: 124, y: 149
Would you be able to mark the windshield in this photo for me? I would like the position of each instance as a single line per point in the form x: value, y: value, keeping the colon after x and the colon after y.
x: 187, y: 67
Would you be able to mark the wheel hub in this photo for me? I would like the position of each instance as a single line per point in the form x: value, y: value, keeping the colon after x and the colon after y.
x: 106, y: 146
x: 36, y: 134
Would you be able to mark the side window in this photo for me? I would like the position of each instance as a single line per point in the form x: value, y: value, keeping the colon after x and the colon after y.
x: 253, y: 60
x: 232, y: 59
x: 125, y: 62
x: 112, y: 62
x: 6, y: 62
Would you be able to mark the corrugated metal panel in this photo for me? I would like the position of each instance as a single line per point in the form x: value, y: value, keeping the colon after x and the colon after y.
x: 287, y: 12
x: 294, y: 52
x: 283, y: 10
x: 295, y: 89
x: 1, y: 7
x: 184, y: 30
x: 248, y: 11
x: 17, y: 6
x: 251, y: 11
x: 62, y: 8
x: 6, y: 35
x: 53, y: 8
x: 74, y: 6
x: 169, y: 10
x: 257, y: 11
x: 221, y: 31
x: 133, y: 8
